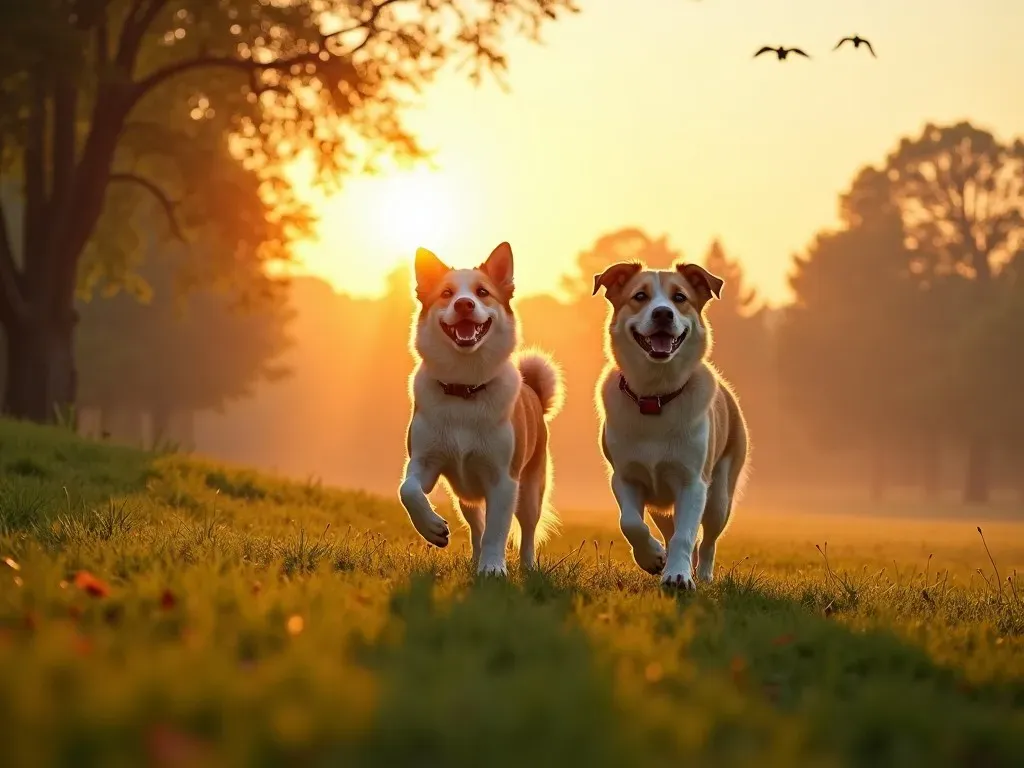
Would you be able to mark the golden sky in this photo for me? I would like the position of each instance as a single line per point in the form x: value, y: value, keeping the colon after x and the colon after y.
x: 652, y: 113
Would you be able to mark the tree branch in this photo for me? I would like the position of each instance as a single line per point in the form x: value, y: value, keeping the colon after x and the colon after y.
x: 138, y: 21
x: 169, y: 206
x: 253, y: 67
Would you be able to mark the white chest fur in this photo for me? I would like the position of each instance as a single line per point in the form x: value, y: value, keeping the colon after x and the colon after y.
x: 659, y: 454
x: 467, y: 441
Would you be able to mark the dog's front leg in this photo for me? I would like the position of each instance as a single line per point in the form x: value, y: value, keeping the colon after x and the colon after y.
x: 647, y: 550
x: 689, y: 510
x: 418, y: 482
x: 501, y: 505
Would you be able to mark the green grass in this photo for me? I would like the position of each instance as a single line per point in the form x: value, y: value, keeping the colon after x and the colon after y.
x: 247, y: 620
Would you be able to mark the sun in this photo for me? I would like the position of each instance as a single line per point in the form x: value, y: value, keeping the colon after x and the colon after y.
x: 413, y: 209
x: 374, y: 224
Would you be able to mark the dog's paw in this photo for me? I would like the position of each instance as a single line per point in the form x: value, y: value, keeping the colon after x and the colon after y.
x: 705, y: 572
x: 496, y: 570
x: 434, y: 529
x: 678, y: 581
x: 651, y: 557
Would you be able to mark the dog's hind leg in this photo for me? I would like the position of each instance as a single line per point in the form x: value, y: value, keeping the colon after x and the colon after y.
x: 530, y: 506
x: 473, y: 514
x: 716, y: 517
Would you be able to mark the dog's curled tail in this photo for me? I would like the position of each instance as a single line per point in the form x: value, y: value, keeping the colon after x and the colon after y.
x: 541, y: 374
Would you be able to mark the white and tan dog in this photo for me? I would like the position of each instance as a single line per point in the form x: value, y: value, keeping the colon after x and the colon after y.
x: 672, y: 432
x: 479, y: 418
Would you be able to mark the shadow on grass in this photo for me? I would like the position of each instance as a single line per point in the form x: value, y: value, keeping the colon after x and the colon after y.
x: 865, y: 693
x: 507, y: 674
x: 491, y: 678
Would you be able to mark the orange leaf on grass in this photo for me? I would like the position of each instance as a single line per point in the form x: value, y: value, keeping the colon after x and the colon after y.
x: 169, y: 747
x: 168, y: 600
x: 89, y: 584
x: 784, y: 639
x: 738, y: 670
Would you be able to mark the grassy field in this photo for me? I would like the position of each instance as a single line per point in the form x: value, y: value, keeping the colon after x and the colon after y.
x: 160, y: 610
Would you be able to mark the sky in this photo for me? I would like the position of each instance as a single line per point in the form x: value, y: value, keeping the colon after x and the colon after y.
x: 652, y: 113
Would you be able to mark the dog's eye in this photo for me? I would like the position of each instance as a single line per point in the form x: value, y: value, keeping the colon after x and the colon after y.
x: 679, y: 298
x: 640, y: 296
x: 447, y: 293
x: 483, y: 293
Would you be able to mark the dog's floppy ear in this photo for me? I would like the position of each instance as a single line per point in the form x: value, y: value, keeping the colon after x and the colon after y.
x: 615, y: 277
x: 705, y: 283
x: 499, y: 267
x: 430, y: 270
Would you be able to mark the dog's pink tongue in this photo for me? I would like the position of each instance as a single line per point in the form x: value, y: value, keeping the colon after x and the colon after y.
x: 465, y: 330
x: 661, y: 343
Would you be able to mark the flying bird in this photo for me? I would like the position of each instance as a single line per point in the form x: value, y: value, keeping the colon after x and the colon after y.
x: 782, y: 52
x: 857, y: 41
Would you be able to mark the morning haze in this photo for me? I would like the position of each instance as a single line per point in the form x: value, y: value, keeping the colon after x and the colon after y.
x: 216, y: 226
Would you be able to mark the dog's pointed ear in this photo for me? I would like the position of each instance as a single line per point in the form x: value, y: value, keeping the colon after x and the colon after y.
x: 430, y: 270
x: 705, y: 283
x: 615, y: 277
x: 500, y: 268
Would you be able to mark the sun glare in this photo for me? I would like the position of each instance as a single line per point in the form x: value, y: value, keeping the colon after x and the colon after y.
x: 374, y: 224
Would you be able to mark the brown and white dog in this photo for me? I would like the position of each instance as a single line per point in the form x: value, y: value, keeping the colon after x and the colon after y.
x: 672, y: 432
x: 479, y: 417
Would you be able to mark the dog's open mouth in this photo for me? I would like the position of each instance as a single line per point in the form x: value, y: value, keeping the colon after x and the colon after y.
x: 467, y: 333
x: 659, y: 345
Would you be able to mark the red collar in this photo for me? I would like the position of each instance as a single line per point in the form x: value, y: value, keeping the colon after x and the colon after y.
x: 652, y: 404
x: 465, y: 391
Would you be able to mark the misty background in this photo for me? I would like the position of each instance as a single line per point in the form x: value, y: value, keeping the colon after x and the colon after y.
x: 896, y: 370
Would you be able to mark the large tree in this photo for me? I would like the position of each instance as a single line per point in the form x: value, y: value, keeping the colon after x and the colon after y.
x: 960, y: 192
x: 140, y: 97
x: 850, y: 347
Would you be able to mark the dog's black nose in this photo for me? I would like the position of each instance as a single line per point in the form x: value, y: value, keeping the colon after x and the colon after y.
x: 662, y: 316
x: 464, y: 306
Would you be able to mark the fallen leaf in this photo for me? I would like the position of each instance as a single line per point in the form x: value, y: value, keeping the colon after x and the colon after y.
x: 295, y: 624
x: 256, y: 587
x: 9, y: 562
x: 654, y: 672
x: 89, y: 584
x: 167, y: 600
x: 82, y: 645
x: 784, y: 639
x: 738, y: 670
x: 168, y: 746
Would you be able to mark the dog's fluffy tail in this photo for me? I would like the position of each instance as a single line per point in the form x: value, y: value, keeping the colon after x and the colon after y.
x: 540, y: 374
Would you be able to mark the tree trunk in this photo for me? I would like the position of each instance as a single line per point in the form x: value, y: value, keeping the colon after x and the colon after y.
x: 41, y: 376
x: 978, y: 481
x: 930, y: 468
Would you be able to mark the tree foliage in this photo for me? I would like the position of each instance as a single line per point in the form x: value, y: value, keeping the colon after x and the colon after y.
x: 199, y: 107
x: 911, y: 300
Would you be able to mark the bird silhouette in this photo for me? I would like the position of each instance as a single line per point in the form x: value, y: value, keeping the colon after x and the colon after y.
x: 782, y: 52
x: 857, y: 41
